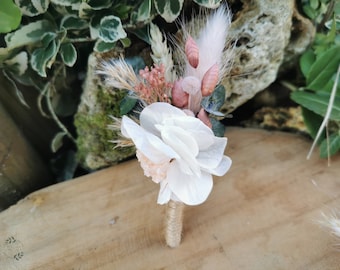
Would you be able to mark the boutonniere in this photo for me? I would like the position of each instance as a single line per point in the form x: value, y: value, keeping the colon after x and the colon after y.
x: 173, y: 135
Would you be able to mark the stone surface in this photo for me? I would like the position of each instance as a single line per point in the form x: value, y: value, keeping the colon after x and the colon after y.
x: 92, y: 120
x: 261, y: 32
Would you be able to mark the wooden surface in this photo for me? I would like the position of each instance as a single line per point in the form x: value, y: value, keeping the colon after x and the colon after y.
x: 21, y: 168
x: 262, y: 215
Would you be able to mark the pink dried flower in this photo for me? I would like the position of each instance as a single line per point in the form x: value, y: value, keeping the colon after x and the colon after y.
x: 153, y: 86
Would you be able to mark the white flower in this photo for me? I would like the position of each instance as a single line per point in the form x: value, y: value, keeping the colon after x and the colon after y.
x: 178, y: 151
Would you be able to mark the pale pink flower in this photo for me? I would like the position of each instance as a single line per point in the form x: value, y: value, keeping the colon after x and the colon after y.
x: 178, y: 151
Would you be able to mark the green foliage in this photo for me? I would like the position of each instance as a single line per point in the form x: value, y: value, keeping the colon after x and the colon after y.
x: 208, y: 3
x: 212, y: 104
x: 169, y: 10
x: 319, y: 66
x: 51, y: 46
x: 10, y: 16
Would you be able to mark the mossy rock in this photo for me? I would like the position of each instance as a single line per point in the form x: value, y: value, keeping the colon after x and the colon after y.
x: 95, y: 150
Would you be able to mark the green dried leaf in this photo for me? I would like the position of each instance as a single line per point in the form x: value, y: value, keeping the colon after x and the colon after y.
x: 68, y: 54
x: 208, y: 3
x: 334, y: 146
x: 10, y: 16
x: 127, y: 104
x: 317, y: 102
x: 111, y: 29
x: 213, y: 103
x: 323, y: 69
x: 217, y: 127
x: 169, y: 10
x: 41, y: 56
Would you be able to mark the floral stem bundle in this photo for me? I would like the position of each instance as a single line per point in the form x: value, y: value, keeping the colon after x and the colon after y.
x: 173, y: 135
x: 174, y: 223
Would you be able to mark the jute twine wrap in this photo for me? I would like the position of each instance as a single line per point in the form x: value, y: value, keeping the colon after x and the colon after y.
x: 174, y: 223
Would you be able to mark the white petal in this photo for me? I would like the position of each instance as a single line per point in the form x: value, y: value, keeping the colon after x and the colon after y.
x: 222, y: 168
x: 156, y: 113
x: 203, y: 135
x: 150, y: 145
x: 164, y: 194
x: 211, y: 157
x: 184, y: 145
x: 190, y: 189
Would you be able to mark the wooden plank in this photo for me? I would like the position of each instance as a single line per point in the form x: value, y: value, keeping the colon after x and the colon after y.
x: 262, y: 215
x: 21, y: 168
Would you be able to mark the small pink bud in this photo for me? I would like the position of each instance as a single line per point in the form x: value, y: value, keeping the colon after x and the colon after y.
x: 210, y: 80
x: 192, y: 52
x: 179, y: 97
x: 203, y: 116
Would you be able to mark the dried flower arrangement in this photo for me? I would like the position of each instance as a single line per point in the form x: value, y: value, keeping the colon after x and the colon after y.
x: 173, y: 134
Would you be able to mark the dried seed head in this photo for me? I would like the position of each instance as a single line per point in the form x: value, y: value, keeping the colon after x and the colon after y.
x: 192, y: 52
x: 210, y: 79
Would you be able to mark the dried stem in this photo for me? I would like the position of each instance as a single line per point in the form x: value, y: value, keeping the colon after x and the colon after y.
x: 174, y: 223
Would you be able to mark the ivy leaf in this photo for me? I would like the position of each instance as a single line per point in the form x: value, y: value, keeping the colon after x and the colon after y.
x: 318, y: 103
x: 68, y: 54
x: 32, y: 8
x: 144, y: 11
x: 208, y: 3
x: 72, y: 22
x: 41, y: 56
x: 323, y: 69
x: 10, y: 16
x: 28, y: 34
x: 334, y: 146
x: 18, y: 64
x: 101, y: 46
x: 111, y: 29
x: 169, y: 10
x: 74, y: 4
x: 142, y: 33
x: 99, y: 4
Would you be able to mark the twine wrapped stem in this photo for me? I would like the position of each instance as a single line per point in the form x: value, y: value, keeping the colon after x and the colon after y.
x: 174, y: 223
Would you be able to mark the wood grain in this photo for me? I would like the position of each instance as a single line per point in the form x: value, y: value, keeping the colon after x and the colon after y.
x: 21, y: 168
x: 262, y: 215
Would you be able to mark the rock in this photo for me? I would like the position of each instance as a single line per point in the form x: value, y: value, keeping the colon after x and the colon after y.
x: 93, y: 117
x: 261, y: 33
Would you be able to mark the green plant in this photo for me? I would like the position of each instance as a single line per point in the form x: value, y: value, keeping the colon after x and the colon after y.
x: 43, y: 52
x: 10, y: 16
x: 319, y: 66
